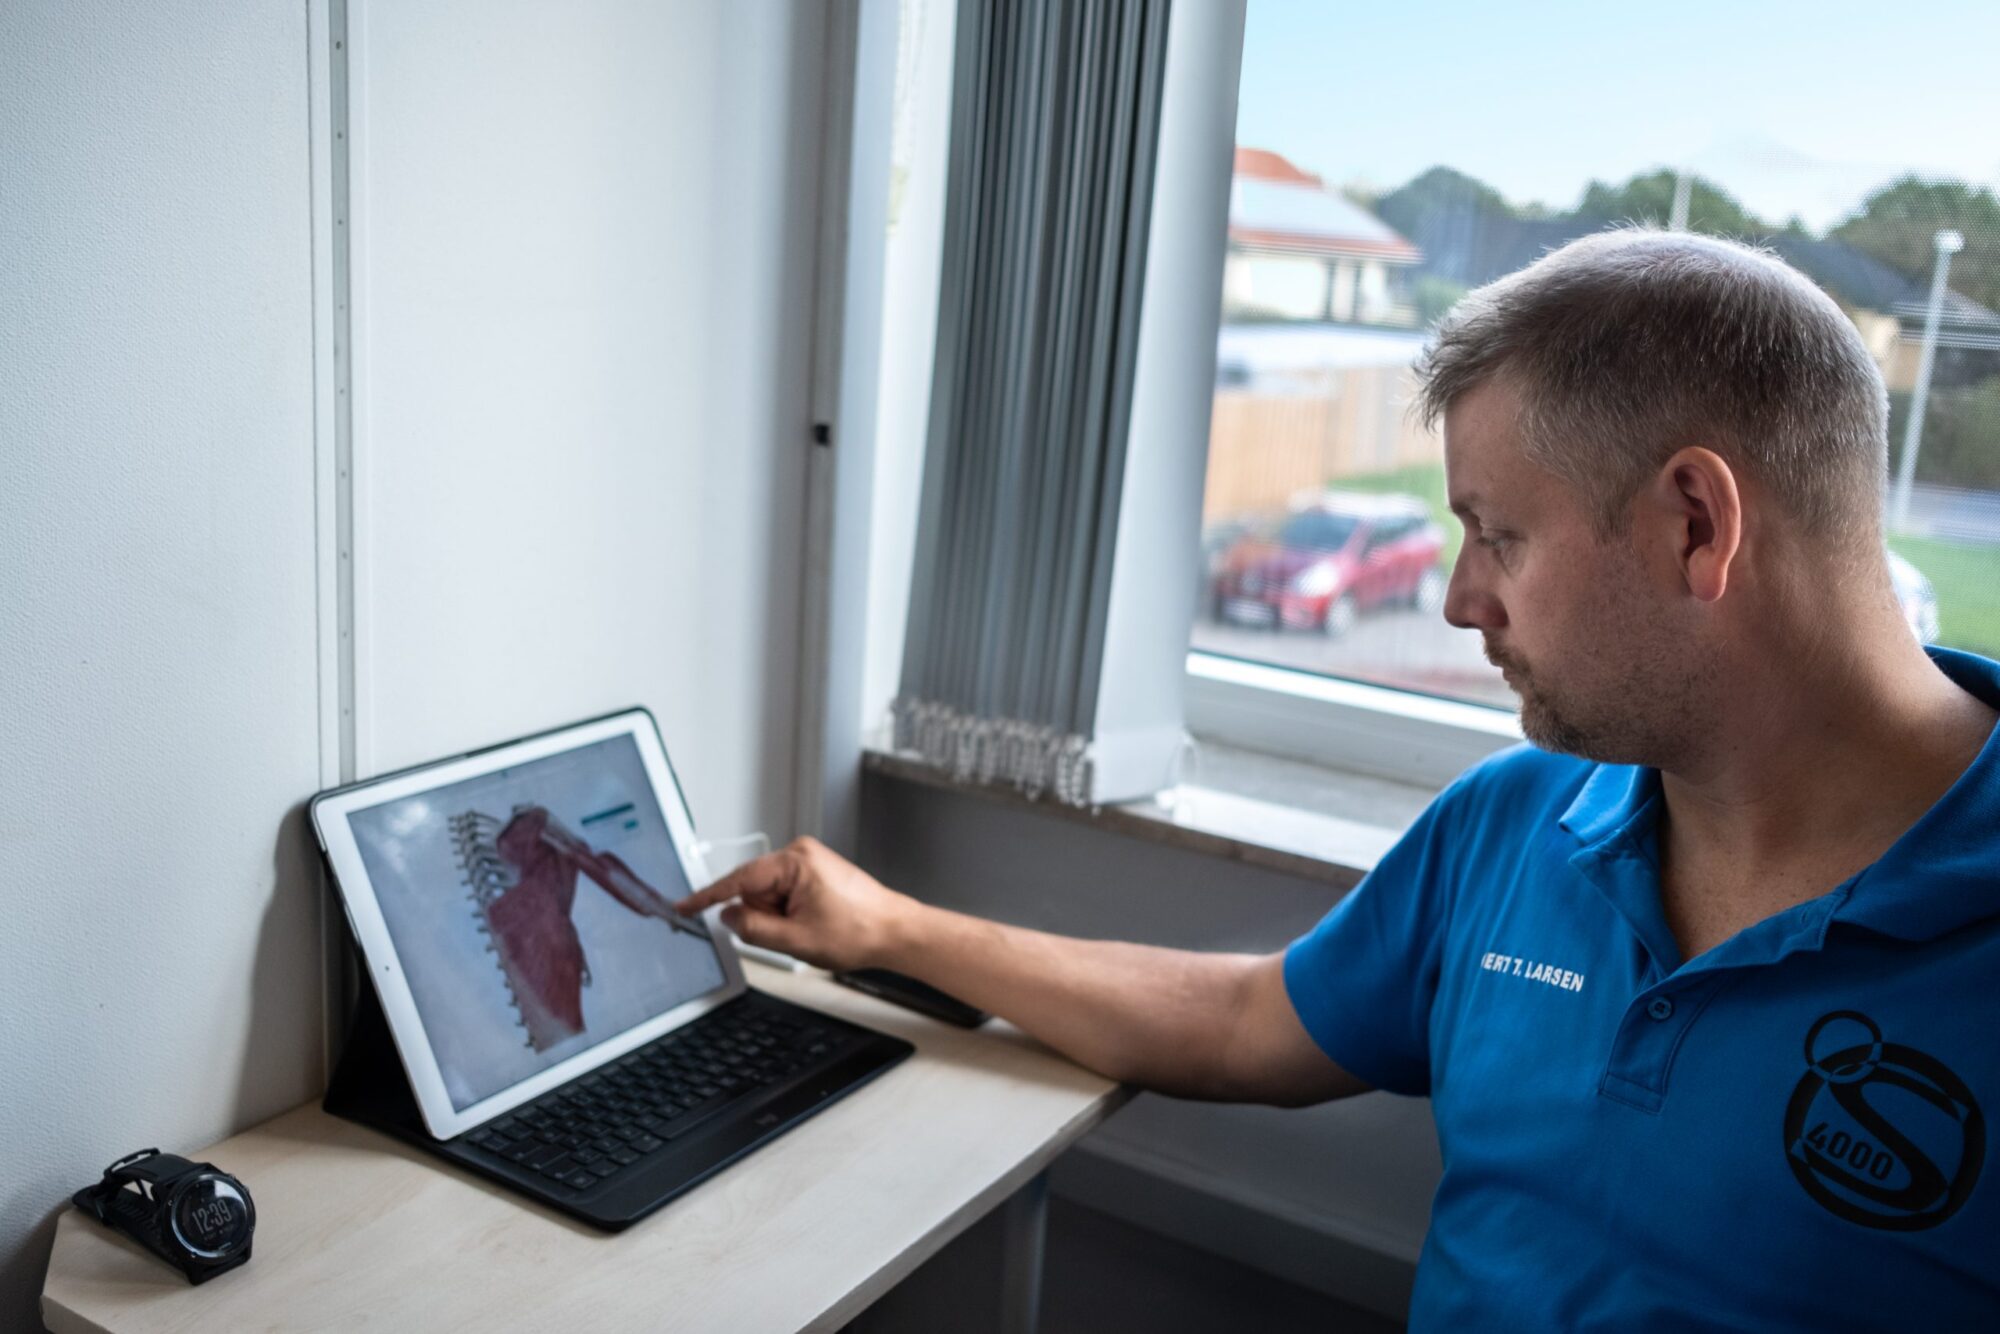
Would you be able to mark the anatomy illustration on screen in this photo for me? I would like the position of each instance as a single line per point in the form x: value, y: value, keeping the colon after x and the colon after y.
x: 521, y: 875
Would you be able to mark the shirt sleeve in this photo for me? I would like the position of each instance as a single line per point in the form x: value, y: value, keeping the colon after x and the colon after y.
x: 1363, y: 981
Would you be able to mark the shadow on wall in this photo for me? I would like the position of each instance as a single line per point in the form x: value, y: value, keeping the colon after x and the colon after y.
x: 277, y: 985
x: 22, y: 1268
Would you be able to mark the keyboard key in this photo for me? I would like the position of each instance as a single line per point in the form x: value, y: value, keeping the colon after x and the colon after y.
x: 646, y: 1143
x: 624, y: 1157
x: 560, y: 1166
x: 580, y: 1179
x: 541, y: 1156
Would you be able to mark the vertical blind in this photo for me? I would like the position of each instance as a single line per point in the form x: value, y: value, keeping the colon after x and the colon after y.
x: 1055, y: 127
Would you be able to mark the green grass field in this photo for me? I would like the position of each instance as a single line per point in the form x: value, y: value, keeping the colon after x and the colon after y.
x: 1967, y: 580
x: 1965, y: 576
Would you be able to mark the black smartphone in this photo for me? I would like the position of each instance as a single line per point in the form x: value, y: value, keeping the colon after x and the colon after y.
x: 913, y: 995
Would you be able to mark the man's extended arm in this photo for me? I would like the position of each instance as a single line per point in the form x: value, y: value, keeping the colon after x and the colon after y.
x: 1190, y: 1024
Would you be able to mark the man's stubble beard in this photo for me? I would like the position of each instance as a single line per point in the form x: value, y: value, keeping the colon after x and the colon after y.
x: 1543, y: 720
x: 1630, y: 696
x: 1544, y: 723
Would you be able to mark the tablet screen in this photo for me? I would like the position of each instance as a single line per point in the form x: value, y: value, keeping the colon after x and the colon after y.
x: 531, y: 910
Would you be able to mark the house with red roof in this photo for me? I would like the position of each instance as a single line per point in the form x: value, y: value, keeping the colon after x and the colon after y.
x: 1300, y: 251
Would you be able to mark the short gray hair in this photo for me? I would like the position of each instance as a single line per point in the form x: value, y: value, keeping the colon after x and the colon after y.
x: 1633, y: 343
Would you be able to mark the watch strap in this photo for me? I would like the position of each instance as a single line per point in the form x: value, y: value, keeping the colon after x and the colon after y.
x: 155, y: 1169
x: 126, y: 1211
x: 141, y: 1214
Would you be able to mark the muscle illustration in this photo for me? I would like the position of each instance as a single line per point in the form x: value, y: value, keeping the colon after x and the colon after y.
x: 522, y: 877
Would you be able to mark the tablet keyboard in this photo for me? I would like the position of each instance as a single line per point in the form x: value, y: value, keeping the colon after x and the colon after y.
x: 595, y: 1127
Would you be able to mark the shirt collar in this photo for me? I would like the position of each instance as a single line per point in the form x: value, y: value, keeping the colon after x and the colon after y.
x: 1615, y: 817
x: 1942, y: 874
x: 1611, y: 799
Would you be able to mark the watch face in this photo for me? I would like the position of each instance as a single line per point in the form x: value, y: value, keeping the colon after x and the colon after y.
x: 211, y: 1217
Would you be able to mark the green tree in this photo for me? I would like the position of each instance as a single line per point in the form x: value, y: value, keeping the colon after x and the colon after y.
x: 1439, y: 190
x: 1898, y: 223
x: 1650, y: 199
x: 1433, y: 297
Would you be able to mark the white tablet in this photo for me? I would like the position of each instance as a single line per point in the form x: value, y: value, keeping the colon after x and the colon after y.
x: 514, y: 910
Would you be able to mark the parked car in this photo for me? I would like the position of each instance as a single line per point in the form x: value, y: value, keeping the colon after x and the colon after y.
x: 1335, y: 556
x: 1916, y: 597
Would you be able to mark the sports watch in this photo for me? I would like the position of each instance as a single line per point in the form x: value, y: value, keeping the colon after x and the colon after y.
x: 194, y: 1216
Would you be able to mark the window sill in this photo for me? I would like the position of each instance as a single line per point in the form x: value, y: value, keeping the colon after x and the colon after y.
x: 1284, y: 815
x: 1407, y: 738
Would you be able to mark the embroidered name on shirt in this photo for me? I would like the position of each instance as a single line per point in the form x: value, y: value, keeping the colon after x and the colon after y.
x: 1532, y: 971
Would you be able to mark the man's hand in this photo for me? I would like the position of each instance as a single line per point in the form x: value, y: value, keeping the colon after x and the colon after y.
x: 811, y: 903
x: 1193, y: 1025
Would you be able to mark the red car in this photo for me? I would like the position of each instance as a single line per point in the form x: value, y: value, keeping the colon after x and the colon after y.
x: 1331, y: 559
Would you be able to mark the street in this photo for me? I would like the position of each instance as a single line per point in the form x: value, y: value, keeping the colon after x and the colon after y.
x: 1955, y: 515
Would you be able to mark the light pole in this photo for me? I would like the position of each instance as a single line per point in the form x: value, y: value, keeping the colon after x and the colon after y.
x: 1948, y: 243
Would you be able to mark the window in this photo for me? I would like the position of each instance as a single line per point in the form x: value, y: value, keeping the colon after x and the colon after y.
x: 1390, y: 159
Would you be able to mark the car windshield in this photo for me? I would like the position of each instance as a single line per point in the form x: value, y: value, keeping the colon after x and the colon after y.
x: 1317, y: 530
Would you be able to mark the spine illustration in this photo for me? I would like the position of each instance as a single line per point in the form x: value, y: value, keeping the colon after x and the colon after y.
x: 521, y: 878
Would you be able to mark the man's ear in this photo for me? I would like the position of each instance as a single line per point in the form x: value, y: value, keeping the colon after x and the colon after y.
x: 1696, y: 493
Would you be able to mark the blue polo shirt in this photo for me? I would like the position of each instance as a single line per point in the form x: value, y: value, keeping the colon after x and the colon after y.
x: 1790, y: 1131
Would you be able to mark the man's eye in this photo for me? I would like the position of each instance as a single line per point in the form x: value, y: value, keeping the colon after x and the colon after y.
x: 1494, y: 541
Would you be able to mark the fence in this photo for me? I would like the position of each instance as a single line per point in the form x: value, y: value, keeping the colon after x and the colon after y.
x: 1266, y: 448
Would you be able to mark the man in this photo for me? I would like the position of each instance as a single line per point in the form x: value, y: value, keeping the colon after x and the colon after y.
x: 1702, y: 987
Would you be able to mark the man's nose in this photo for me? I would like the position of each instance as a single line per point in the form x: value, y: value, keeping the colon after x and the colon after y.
x: 1467, y: 603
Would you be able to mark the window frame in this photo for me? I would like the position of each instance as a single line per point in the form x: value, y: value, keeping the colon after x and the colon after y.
x: 1334, y: 722
x: 1341, y: 724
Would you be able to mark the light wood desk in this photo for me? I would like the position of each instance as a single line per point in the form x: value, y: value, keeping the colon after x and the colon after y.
x: 356, y: 1230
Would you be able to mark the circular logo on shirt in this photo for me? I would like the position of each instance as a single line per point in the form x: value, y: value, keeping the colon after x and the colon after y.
x: 1879, y: 1133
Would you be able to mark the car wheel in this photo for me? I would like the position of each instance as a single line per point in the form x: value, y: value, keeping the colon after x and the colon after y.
x: 1429, y: 594
x: 1339, y: 618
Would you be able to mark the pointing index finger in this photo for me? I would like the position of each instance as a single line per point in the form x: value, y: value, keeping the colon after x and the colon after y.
x: 766, y: 872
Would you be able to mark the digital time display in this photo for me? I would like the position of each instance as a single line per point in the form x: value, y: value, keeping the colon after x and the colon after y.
x: 211, y: 1215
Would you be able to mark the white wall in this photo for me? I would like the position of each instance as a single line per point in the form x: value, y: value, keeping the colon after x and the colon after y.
x: 583, y: 266
x: 159, y: 981
x: 584, y: 247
